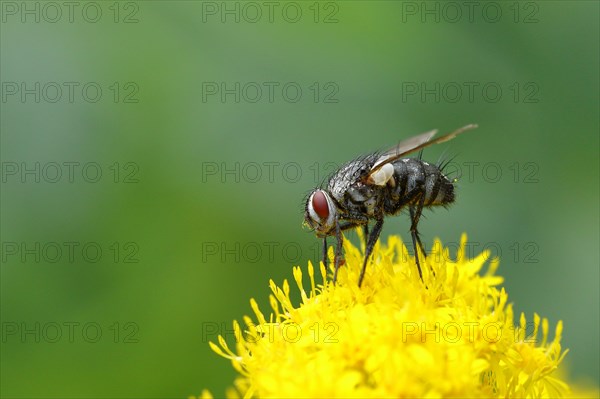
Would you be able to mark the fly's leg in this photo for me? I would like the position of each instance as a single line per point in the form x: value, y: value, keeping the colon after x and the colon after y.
x: 370, y: 244
x: 325, y: 252
x: 415, y: 214
x: 418, y: 237
x: 351, y: 221
x: 354, y: 224
x: 338, y: 250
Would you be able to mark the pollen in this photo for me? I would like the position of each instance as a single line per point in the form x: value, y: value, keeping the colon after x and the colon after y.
x: 452, y: 334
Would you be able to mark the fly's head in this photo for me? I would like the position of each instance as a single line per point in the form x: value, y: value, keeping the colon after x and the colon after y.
x: 320, y: 213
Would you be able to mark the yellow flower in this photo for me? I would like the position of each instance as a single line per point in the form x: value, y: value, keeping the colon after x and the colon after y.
x: 450, y: 335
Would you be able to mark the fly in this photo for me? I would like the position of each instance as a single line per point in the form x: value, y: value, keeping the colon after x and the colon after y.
x: 377, y: 185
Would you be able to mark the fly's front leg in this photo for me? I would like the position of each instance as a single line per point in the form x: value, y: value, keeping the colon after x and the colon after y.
x: 325, y: 252
x: 350, y: 225
x: 370, y: 244
x: 350, y: 221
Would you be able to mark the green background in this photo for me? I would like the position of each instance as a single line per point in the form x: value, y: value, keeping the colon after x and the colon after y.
x: 165, y: 131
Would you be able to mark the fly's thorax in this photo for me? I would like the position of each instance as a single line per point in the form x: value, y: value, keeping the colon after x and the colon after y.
x: 348, y: 175
x: 363, y: 199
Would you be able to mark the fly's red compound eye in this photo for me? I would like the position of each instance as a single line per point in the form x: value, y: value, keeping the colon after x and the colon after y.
x: 319, y: 203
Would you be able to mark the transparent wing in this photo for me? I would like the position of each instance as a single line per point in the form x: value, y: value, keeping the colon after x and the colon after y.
x: 404, y: 147
x: 413, y: 144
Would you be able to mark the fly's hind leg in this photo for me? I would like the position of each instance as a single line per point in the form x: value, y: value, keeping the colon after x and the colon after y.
x: 417, y: 235
x: 415, y: 215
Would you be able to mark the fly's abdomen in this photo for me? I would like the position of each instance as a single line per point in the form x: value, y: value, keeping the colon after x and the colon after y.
x: 439, y: 190
x: 416, y: 180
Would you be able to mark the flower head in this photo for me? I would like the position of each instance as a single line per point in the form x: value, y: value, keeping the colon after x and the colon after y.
x: 450, y: 334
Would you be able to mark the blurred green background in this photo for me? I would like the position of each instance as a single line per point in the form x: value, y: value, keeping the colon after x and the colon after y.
x: 210, y: 121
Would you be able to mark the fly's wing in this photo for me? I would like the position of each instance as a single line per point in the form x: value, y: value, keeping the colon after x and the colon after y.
x: 403, y: 147
x: 378, y: 176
